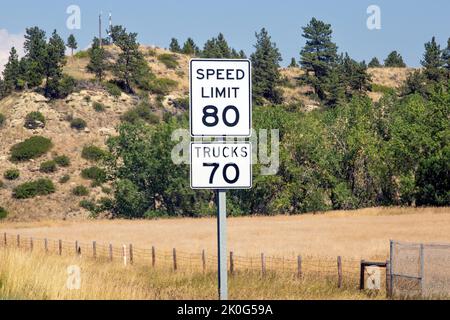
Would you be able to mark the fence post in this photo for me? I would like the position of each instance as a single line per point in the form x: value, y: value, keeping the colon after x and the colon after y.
x: 391, y: 268
x: 18, y: 241
x: 46, y: 245
x: 388, y: 279
x: 76, y: 247
x: 153, y: 257
x: 299, y: 267
x: 60, y: 247
x: 203, y: 260
x: 124, y: 254
x: 94, y: 249
x: 361, y: 276
x: 339, y: 265
x: 231, y: 263
x: 131, y: 253
x: 110, y: 252
x: 263, y: 265
x: 174, y: 259
x: 421, y: 267
x: 31, y: 244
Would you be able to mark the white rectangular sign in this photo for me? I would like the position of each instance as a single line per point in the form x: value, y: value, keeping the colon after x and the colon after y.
x: 220, y: 97
x: 221, y: 165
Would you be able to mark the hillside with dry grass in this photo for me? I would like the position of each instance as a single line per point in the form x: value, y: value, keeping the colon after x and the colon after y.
x: 63, y: 204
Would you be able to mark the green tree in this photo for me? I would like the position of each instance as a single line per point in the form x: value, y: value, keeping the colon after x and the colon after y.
x: 432, y: 61
x: 266, y: 74
x: 374, y: 63
x: 174, y: 46
x: 446, y: 58
x: 394, y: 60
x: 97, y: 63
x: 293, y: 63
x: 53, y: 62
x: 11, y: 73
x: 35, y: 47
x: 72, y: 43
x: 190, y: 47
x: 319, y: 55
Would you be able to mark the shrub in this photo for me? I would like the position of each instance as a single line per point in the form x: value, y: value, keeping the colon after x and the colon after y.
x: 113, y: 89
x: 80, y: 191
x: 48, y: 166
x: 60, y: 89
x: 94, y: 173
x: 88, y: 205
x: 78, y: 124
x: 30, y: 148
x: 62, y: 161
x: 64, y: 179
x: 12, y: 174
x: 181, y: 103
x: 99, y: 107
x: 162, y: 86
x: 32, y: 189
x: 2, y: 119
x: 3, y: 213
x: 105, y: 204
x: 141, y: 112
x: 34, y: 120
x: 93, y: 153
x: 82, y: 54
x: 169, y: 60
x: 106, y: 190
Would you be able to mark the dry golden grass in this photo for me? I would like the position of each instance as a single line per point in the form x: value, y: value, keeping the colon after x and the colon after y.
x: 359, y: 234
x: 25, y: 275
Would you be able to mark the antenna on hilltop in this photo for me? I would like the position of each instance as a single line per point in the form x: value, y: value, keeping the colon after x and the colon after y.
x: 100, y: 28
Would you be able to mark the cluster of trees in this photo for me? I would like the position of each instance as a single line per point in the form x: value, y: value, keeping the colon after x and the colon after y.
x: 42, y: 63
x: 393, y: 60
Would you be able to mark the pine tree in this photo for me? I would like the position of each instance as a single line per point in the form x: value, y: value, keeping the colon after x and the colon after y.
x: 374, y: 63
x: 174, y: 46
x: 266, y: 63
x: 432, y: 61
x: 223, y: 47
x: 35, y: 47
x: 293, y: 63
x: 318, y: 55
x: 98, y: 63
x: 394, y: 60
x: 446, y: 58
x: 242, y: 55
x: 353, y: 75
x: 54, y: 60
x: 72, y: 43
x: 11, y: 73
x: 211, y: 49
x: 190, y: 47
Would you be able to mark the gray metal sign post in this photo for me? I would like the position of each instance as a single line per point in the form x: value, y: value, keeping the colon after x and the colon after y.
x: 222, y: 243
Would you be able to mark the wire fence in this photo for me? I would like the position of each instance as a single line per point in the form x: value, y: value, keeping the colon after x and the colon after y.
x: 341, y: 271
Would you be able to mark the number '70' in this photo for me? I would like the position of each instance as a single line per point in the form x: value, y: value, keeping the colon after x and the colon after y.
x: 225, y: 172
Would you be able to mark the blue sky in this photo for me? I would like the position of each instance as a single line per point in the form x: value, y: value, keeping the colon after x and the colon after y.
x: 406, y: 25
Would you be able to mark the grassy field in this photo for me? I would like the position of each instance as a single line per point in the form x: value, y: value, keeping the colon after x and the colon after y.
x: 360, y: 234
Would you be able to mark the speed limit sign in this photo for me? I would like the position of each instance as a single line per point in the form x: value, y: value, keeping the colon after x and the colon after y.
x: 220, y: 100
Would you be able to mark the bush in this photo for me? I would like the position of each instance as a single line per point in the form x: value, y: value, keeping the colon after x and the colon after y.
x: 88, y: 205
x: 62, y: 161
x: 181, y: 103
x: 80, y: 191
x: 30, y: 148
x: 141, y: 112
x: 169, y: 60
x: 34, y: 120
x: 82, y: 54
x: 113, y: 89
x: 94, y: 173
x: 93, y: 153
x: 2, y: 119
x: 64, y: 179
x: 48, y: 166
x: 105, y: 204
x: 78, y: 124
x: 162, y: 86
x: 32, y: 189
x: 99, y: 107
x: 3, y: 213
x: 60, y: 89
x: 12, y: 174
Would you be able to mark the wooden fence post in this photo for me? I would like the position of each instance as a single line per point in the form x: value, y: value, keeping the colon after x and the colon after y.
x: 18, y: 241
x: 204, y: 261
x: 131, y: 253
x: 299, y: 267
x: 153, y: 257
x: 174, y: 259
x: 110, y: 252
x: 60, y: 247
x: 46, y: 245
x: 124, y: 254
x: 94, y: 249
x: 263, y: 265
x: 361, y: 275
x: 339, y: 265
x: 231, y: 263
x: 31, y: 244
x: 388, y: 279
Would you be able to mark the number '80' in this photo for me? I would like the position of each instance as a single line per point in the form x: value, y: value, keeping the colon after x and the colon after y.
x: 211, y: 117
